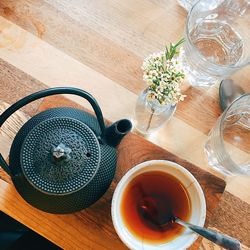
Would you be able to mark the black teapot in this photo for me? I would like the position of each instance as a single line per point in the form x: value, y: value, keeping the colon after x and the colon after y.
x: 63, y: 159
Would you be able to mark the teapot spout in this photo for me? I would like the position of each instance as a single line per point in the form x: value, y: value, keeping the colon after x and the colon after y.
x: 115, y: 132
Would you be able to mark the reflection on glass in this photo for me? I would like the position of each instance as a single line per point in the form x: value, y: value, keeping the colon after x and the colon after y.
x: 228, y: 144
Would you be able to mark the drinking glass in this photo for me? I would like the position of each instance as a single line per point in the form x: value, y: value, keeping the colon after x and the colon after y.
x: 228, y: 144
x: 187, y: 4
x: 217, y: 40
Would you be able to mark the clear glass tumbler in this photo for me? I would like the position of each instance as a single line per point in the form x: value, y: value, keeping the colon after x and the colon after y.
x: 217, y: 40
x: 187, y: 4
x: 228, y: 144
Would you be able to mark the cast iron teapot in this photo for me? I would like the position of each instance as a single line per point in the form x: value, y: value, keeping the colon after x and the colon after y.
x: 63, y: 159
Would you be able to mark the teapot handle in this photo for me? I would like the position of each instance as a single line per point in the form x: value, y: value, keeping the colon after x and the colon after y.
x: 48, y: 92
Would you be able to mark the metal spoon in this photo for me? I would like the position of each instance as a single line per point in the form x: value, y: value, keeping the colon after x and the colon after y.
x: 228, y: 92
x: 150, y: 208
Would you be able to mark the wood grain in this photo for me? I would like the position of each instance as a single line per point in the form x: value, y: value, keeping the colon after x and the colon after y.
x: 232, y: 212
x: 15, y: 84
x: 199, y: 109
x: 101, y: 53
x: 9, y: 128
x: 77, y: 40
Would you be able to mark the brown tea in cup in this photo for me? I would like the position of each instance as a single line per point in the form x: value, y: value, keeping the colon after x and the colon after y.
x: 155, y: 186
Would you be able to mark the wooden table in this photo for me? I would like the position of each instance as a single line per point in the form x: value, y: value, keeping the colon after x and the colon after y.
x: 99, y: 46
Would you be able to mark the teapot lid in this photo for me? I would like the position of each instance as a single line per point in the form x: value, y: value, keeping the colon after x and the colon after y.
x: 60, y: 155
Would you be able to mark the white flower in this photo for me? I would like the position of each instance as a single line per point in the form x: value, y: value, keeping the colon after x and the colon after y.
x: 163, y: 78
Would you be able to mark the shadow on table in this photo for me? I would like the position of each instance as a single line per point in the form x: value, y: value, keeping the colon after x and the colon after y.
x: 15, y: 236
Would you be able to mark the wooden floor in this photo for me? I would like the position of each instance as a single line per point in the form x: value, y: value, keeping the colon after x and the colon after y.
x: 99, y: 46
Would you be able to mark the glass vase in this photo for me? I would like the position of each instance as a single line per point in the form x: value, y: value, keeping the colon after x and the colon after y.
x: 150, y: 115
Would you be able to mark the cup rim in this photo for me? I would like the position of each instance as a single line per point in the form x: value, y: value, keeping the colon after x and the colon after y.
x: 232, y: 104
x: 132, y: 173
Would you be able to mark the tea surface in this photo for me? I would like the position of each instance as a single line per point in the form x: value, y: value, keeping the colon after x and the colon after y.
x: 156, y: 185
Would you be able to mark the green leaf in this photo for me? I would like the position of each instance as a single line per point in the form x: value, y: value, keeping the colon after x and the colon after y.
x: 180, y: 42
x: 166, y: 53
x: 172, y: 50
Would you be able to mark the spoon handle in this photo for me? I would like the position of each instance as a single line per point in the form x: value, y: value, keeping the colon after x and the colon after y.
x: 220, y: 239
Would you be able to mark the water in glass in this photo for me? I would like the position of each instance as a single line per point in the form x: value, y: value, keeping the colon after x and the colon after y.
x: 217, y: 40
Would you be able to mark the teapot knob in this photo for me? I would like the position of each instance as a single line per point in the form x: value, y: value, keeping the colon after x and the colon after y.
x: 61, y: 152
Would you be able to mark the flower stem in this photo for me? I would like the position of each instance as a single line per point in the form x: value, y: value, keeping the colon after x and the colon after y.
x: 150, y: 119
